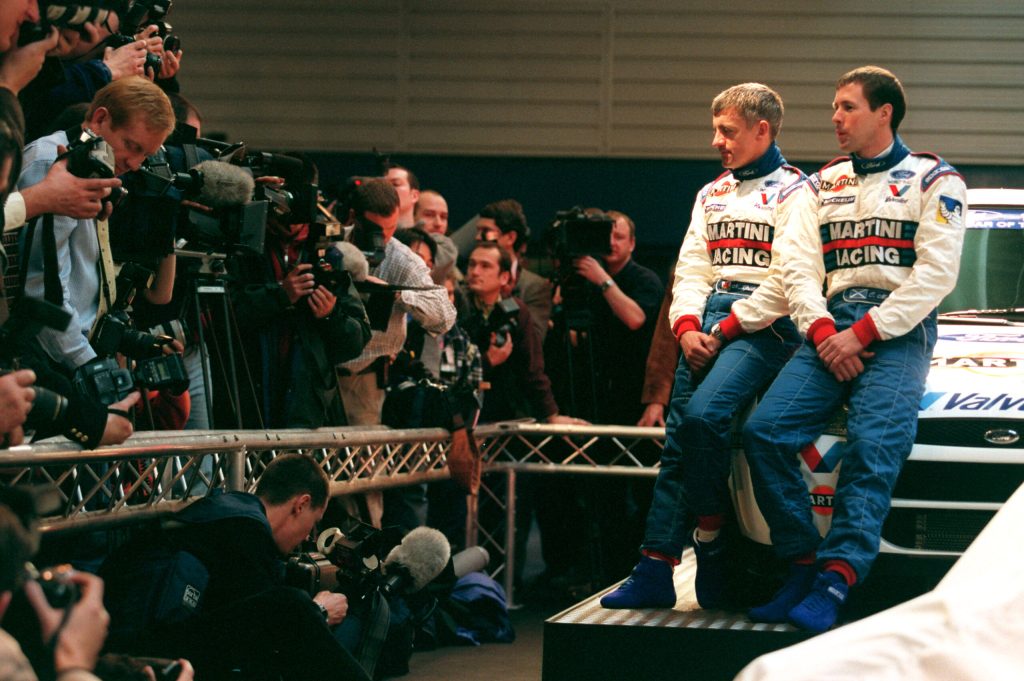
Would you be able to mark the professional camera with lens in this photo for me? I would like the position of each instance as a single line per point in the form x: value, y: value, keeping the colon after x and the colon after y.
x: 144, y: 13
x: 72, y: 15
x: 59, y: 590
x: 28, y: 317
x: 319, y: 250
x: 358, y: 551
x: 104, y: 379
x: 107, y: 382
x: 89, y: 156
x: 504, y: 318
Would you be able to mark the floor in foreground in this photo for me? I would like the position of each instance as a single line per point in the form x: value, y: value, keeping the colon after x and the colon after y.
x: 517, y: 661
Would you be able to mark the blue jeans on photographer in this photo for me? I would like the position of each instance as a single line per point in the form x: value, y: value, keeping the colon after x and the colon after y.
x: 881, y: 425
x: 695, y: 461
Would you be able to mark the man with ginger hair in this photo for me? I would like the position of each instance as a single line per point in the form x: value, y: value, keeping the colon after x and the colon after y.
x: 729, y: 316
x: 134, y: 117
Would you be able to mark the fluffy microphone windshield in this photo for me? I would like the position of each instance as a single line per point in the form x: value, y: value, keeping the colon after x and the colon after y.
x: 354, y: 260
x: 423, y: 553
x: 224, y: 185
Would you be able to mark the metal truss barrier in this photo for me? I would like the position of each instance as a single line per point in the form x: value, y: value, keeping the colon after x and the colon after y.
x: 156, y: 473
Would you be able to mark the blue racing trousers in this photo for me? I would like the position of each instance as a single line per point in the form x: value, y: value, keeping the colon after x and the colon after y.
x: 695, y: 461
x: 882, y: 422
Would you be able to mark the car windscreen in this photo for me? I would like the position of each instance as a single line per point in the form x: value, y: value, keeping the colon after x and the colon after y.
x: 992, y: 264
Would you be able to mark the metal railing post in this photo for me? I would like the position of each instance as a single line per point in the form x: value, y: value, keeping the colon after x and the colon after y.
x: 510, y: 536
x: 236, y: 470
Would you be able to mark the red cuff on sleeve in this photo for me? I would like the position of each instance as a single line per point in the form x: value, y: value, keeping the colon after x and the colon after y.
x: 730, y: 326
x: 865, y: 330
x: 684, y: 324
x: 820, y: 330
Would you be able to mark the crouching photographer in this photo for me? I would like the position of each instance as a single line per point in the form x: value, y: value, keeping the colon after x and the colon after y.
x: 210, y: 587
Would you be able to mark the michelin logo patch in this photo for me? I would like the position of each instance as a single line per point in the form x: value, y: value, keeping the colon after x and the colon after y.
x: 838, y: 199
x: 950, y: 210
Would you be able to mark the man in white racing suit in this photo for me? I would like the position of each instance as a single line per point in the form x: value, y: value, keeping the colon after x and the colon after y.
x: 882, y: 229
x: 729, y: 315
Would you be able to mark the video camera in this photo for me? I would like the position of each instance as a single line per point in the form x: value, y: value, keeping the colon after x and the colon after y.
x: 68, y: 15
x: 574, y: 234
x: 349, y: 560
x: 28, y: 317
x: 191, y: 170
x: 104, y: 379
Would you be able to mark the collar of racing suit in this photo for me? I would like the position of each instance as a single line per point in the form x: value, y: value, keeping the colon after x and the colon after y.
x: 768, y: 162
x: 898, y: 152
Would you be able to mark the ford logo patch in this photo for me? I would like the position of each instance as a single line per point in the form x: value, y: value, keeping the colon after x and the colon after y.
x: 1002, y: 436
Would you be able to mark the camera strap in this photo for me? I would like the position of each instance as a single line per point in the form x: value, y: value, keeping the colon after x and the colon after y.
x: 108, y: 273
x: 53, y: 292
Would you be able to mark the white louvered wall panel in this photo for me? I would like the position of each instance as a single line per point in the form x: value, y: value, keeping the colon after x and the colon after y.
x: 612, y: 78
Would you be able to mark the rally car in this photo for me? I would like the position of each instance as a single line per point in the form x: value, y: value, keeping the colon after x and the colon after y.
x: 968, y: 456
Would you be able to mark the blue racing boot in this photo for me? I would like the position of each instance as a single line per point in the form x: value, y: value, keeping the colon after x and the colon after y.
x: 820, y: 609
x: 648, y: 586
x: 797, y: 585
x: 710, y: 583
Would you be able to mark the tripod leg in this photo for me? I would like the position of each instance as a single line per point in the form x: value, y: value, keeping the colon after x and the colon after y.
x: 204, y: 356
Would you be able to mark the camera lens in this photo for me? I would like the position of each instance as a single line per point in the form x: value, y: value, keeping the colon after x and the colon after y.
x: 139, y: 344
x: 49, y: 410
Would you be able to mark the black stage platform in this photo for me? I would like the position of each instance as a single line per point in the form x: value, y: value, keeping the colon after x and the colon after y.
x: 588, y: 643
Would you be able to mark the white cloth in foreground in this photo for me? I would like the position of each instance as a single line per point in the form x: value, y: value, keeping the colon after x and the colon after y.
x: 969, y: 628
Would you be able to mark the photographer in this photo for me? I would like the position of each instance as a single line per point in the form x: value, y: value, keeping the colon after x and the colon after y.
x: 624, y: 299
x: 247, y: 618
x: 134, y: 117
x: 69, y: 638
x: 95, y: 54
x: 301, y: 317
x: 87, y: 423
x: 19, y: 65
x: 362, y: 379
x: 79, y: 637
x: 504, y: 222
x: 513, y: 361
x: 59, y: 192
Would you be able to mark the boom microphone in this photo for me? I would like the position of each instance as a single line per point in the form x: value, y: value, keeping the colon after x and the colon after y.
x: 422, y: 556
x: 224, y: 185
x: 354, y: 261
